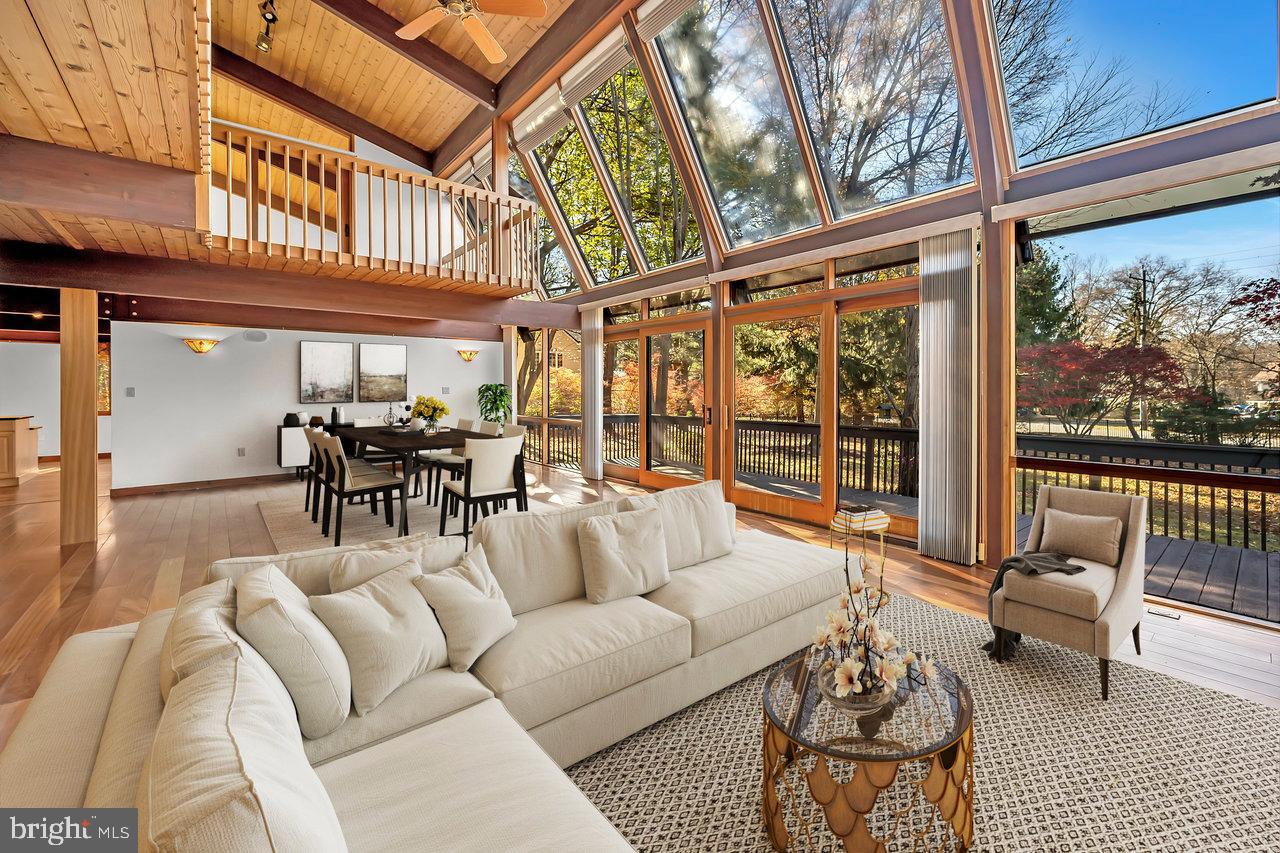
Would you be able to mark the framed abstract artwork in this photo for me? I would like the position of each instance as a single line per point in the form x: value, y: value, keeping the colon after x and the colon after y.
x: 384, y: 373
x: 326, y: 370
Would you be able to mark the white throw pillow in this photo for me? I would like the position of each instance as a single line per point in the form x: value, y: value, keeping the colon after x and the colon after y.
x: 623, y: 554
x: 694, y: 522
x: 387, y: 633
x: 276, y: 619
x: 355, y: 567
x: 470, y: 607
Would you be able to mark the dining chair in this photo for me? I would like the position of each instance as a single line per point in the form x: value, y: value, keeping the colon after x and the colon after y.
x: 514, y: 429
x: 437, y: 462
x: 342, y: 482
x: 492, y: 473
x: 489, y: 428
x: 467, y: 424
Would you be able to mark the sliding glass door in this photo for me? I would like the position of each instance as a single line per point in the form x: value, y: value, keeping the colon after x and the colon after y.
x: 675, y: 405
x: 622, y: 383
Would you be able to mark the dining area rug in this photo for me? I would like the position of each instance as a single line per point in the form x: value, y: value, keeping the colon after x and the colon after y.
x: 291, y: 528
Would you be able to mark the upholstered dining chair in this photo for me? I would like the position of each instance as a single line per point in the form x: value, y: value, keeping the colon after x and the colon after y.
x: 376, y: 457
x: 492, y: 473
x: 489, y: 427
x: 1092, y: 611
x: 347, y: 478
x: 467, y: 424
x: 514, y: 429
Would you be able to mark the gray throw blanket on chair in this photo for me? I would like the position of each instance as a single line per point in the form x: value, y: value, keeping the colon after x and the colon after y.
x: 1034, y: 563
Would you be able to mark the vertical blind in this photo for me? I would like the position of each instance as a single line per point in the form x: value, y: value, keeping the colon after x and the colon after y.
x: 949, y: 397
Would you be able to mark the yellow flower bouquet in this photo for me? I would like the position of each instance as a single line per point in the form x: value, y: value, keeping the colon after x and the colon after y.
x: 429, y: 409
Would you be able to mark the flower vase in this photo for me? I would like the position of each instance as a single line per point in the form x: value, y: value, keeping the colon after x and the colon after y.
x: 418, y: 424
x: 853, y: 705
x: 432, y: 426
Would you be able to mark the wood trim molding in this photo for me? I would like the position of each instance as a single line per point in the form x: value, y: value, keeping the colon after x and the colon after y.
x: 40, y: 265
x: 381, y: 27
x: 69, y: 180
x: 58, y: 458
x: 195, y: 485
x: 253, y: 76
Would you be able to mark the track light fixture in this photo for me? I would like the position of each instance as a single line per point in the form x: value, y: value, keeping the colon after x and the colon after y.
x: 269, y: 19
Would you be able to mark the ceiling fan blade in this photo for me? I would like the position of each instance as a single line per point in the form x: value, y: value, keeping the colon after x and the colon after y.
x: 484, y: 39
x: 522, y: 8
x: 423, y: 22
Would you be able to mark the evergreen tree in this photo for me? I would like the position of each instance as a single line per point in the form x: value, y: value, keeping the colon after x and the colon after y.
x: 1043, y: 308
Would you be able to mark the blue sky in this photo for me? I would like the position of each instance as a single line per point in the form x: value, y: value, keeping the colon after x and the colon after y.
x: 1221, y: 54
x: 1244, y: 237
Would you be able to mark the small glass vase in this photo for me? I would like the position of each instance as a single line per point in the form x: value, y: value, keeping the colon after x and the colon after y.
x: 854, y: 705
x: 432, y: 427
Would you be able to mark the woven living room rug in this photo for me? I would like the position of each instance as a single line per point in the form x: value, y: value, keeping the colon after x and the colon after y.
x: 1162, y: 765
x: 291, y: 528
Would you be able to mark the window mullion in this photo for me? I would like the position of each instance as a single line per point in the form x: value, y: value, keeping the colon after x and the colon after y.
x: 551, y: 209
x: 980, y: 87
x: 812, y: 168
x: 620, y: 212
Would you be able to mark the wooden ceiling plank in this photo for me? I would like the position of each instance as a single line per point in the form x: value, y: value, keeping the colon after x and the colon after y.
x: 170, y: 24
x: 36, y: 74
x: 382, y: 27
x: 64, y: 25
x: 176, y: 92
x: 258, y: 79
x: 16, y: 113
x: 121, y: 29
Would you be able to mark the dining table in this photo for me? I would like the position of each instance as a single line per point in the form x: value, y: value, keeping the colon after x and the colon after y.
x: 406, y: 444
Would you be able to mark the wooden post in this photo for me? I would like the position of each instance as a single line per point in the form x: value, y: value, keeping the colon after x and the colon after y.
x: 79, y: 399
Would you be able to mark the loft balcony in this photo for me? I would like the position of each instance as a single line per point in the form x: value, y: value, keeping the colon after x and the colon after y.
x: 308, y: 208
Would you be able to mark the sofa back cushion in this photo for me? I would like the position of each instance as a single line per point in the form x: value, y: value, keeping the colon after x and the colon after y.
x: 356, y: 567
x: 275, y: 617
x: 535, y: 556
x: 203, y: 631
x: 623, y: 554
x: 694, y: 522
x: 226, y: 770
x: 309, y: 570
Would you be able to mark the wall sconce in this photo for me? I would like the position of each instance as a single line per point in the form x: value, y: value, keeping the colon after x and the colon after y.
x: 200, y: 346
x: 468, y: 355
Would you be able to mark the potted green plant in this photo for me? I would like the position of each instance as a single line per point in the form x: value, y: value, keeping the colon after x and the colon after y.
x: 495, y: 402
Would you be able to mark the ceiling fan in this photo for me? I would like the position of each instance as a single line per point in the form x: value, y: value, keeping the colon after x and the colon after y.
x: 466, y: 10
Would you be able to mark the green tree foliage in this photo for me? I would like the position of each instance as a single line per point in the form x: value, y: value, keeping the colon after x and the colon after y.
x: 553, y: 267
x: 622, y: 119
x: 1043, y: 306
x: 776, y: 368
x: 729, y: 88
x: 880, y: 366
x: 567, y: 165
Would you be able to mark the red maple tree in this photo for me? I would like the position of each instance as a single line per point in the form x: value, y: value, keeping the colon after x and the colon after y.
x: 1079, y: 385
x: 1262, y: 297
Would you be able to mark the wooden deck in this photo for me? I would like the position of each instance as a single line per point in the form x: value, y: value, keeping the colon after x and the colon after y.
x: 1221, y: 577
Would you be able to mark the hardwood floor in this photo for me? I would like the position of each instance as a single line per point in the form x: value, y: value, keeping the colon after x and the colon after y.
x: 153, y: 548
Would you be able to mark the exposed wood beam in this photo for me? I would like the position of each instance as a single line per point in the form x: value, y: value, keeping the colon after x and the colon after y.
x: 381, y: 27
x: 69, y: 180
x: 253, y: 76
x: 153, y: 310
x: 41, y: 265
x: 578, y: 29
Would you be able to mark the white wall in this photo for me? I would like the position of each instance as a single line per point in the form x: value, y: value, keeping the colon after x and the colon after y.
x: 190, y: 413
x: 31, y: 385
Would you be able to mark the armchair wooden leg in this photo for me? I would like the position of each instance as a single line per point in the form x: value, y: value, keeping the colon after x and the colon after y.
x: 1137, y: 638
x: 1105, y: 666
x: 998, y: 645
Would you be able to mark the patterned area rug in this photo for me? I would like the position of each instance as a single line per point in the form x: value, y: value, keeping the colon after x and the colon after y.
x: 1162, y: 765
x: 291, y: 528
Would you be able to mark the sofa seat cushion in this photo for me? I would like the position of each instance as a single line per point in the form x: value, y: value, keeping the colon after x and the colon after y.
x: 765, y: 579
x: 423, y: 700
x: 561, y: 657
x: 473, y: 781
x: 226, y: 770
x: 1083, y: 595
x: 131, y: 724
x: 48, y: 759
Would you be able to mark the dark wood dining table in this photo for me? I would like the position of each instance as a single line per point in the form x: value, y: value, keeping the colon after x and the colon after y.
x: 406, y: 445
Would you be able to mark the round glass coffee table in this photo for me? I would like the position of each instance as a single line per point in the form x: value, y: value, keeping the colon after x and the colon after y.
x: 913, y: 758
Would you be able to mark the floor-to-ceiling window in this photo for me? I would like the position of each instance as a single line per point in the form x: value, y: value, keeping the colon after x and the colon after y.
x: 1147, y: 351
x: 622, y: 403
x: 675, y: 401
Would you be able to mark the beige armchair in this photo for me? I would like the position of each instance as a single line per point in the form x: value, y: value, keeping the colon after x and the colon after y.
x: 1091, y: 611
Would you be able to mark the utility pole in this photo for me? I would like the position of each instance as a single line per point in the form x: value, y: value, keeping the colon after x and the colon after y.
x: 1143, y: 322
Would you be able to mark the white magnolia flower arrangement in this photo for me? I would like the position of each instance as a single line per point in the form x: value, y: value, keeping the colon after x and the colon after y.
x: 864, y: 657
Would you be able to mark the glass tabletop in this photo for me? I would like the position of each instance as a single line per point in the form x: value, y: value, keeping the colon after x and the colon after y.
x: 919, y: 721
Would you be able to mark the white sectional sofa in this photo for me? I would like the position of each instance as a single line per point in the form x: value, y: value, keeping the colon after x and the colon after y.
x: 450, y: 760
